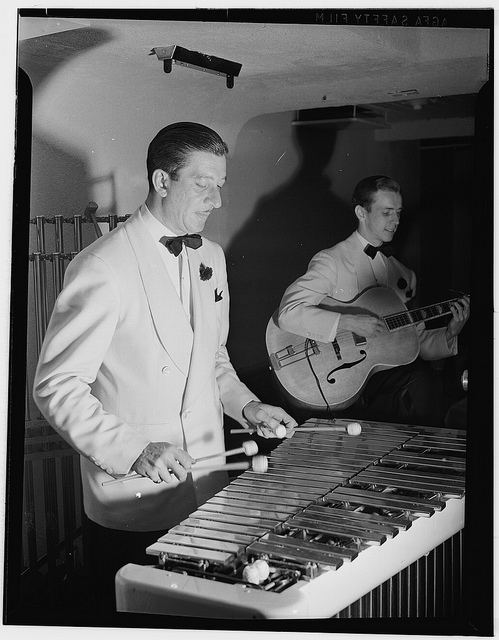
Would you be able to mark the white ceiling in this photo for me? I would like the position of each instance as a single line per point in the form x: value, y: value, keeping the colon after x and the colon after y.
x: 284, y: 66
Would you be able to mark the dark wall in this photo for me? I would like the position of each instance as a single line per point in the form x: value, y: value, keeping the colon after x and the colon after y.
x: 287, y: 226
x: 308, y: 211
x: 311, y: 210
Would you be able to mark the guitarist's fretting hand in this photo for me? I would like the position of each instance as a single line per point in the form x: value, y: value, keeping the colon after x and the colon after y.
x: 362, y: 325
x: 460, y: 314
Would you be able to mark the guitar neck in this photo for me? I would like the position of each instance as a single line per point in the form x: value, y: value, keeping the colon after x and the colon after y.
x: 408, y: 318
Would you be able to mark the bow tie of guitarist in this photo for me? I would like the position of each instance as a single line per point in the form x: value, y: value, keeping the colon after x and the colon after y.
x: 379, y: 370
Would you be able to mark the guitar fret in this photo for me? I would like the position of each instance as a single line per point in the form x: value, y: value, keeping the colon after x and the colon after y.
x: 398, y: 320
x: 403, y: 319
x: 432, y: 311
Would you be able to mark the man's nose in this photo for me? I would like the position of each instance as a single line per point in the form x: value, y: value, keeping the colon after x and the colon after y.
x: 215, y: 198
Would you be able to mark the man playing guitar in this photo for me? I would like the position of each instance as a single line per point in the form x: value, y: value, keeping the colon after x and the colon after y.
x: 401, y: 393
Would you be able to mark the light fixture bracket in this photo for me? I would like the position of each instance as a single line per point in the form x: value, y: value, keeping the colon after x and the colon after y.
x: 202, y: 62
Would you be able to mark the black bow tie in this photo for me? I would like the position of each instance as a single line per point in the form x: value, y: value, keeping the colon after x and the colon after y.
x: 385, y: 249
x: 174, y: 245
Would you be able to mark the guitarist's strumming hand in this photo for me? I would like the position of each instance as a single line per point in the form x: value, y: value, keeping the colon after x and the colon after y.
x: 460, y: 314
x: 362, y: 325
x: 267, y: 418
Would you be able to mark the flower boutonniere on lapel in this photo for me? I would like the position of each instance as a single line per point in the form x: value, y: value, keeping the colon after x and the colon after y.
x: 205, y: 273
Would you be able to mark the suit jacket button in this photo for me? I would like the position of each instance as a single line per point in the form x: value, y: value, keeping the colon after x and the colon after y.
x: 166, y: 370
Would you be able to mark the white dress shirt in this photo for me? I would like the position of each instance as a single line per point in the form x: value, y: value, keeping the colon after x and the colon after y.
x: 378, y: 264
x: 177, y: 266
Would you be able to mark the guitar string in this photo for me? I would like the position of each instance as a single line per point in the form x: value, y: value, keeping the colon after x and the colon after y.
x: 410, y: 316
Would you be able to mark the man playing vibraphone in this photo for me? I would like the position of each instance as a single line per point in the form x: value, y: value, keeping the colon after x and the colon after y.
x: 134, y: 372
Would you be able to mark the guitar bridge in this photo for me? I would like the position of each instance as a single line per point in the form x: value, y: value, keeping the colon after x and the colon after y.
x: 291, y: 354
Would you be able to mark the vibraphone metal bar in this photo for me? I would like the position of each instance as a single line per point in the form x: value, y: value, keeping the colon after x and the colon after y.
x: 334, y: 517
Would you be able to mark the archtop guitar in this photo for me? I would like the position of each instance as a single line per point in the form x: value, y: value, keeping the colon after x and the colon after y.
x: 328, y: 376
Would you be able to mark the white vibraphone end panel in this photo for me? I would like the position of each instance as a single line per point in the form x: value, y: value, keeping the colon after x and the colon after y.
x: 146, y: 589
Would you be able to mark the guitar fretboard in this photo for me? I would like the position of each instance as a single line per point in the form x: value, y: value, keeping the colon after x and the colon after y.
x: 407, y: 318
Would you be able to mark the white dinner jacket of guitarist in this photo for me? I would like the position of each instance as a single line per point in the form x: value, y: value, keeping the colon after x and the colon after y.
x: 121, y: 367
x: 342, y: 272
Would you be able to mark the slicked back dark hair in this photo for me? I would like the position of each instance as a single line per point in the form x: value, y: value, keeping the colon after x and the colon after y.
x: 170, y: 147
x: 364, y: 192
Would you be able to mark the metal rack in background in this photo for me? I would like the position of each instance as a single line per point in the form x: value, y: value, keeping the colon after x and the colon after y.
x: 53, y: 506
x: 59, y: 257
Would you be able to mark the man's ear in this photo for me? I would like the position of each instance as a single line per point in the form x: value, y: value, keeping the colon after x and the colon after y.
x: 160, y: 182
x: 360, y: 212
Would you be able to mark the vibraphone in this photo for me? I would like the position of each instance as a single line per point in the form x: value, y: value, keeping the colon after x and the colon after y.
x: 349, y: 526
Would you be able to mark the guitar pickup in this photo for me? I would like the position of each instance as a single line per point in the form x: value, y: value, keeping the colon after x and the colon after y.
x: 337, y: 349
x: 292, y: 354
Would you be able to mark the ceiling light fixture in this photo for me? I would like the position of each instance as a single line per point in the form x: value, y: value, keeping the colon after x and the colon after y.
x: 202, y: 62
x: 404, y: 93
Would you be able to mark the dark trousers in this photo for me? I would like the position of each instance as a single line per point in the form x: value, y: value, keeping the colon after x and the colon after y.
x: 408, y: 394
x: 106, y: 551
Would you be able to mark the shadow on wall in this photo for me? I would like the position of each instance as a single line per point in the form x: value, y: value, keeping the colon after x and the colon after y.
x: 286, y: 228
x: 60, y: 181
x: 60, y: 185
x: 44, y: 55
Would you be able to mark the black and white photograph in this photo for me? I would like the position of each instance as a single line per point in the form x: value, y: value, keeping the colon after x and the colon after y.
x: 249, y: 321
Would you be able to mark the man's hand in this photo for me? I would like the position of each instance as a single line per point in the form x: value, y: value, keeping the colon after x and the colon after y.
x: 160, y: 461
x: 362, y: 325
x: 460, y: 314
x: 266, y: 418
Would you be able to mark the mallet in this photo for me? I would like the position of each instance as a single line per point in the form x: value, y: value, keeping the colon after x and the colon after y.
x: 259, y: 464
x: 256, y: 572
x: 249, y: 447
x: 352, y: 428
x: 280, y: 431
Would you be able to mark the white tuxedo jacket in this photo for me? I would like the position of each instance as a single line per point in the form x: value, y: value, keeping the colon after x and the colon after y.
x: 121, y: 367
x: 342, y: 272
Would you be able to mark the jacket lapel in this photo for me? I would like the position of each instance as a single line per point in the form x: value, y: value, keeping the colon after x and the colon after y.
x: 361, y: 261
x: 172, y: 325
x: 205, y: 327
